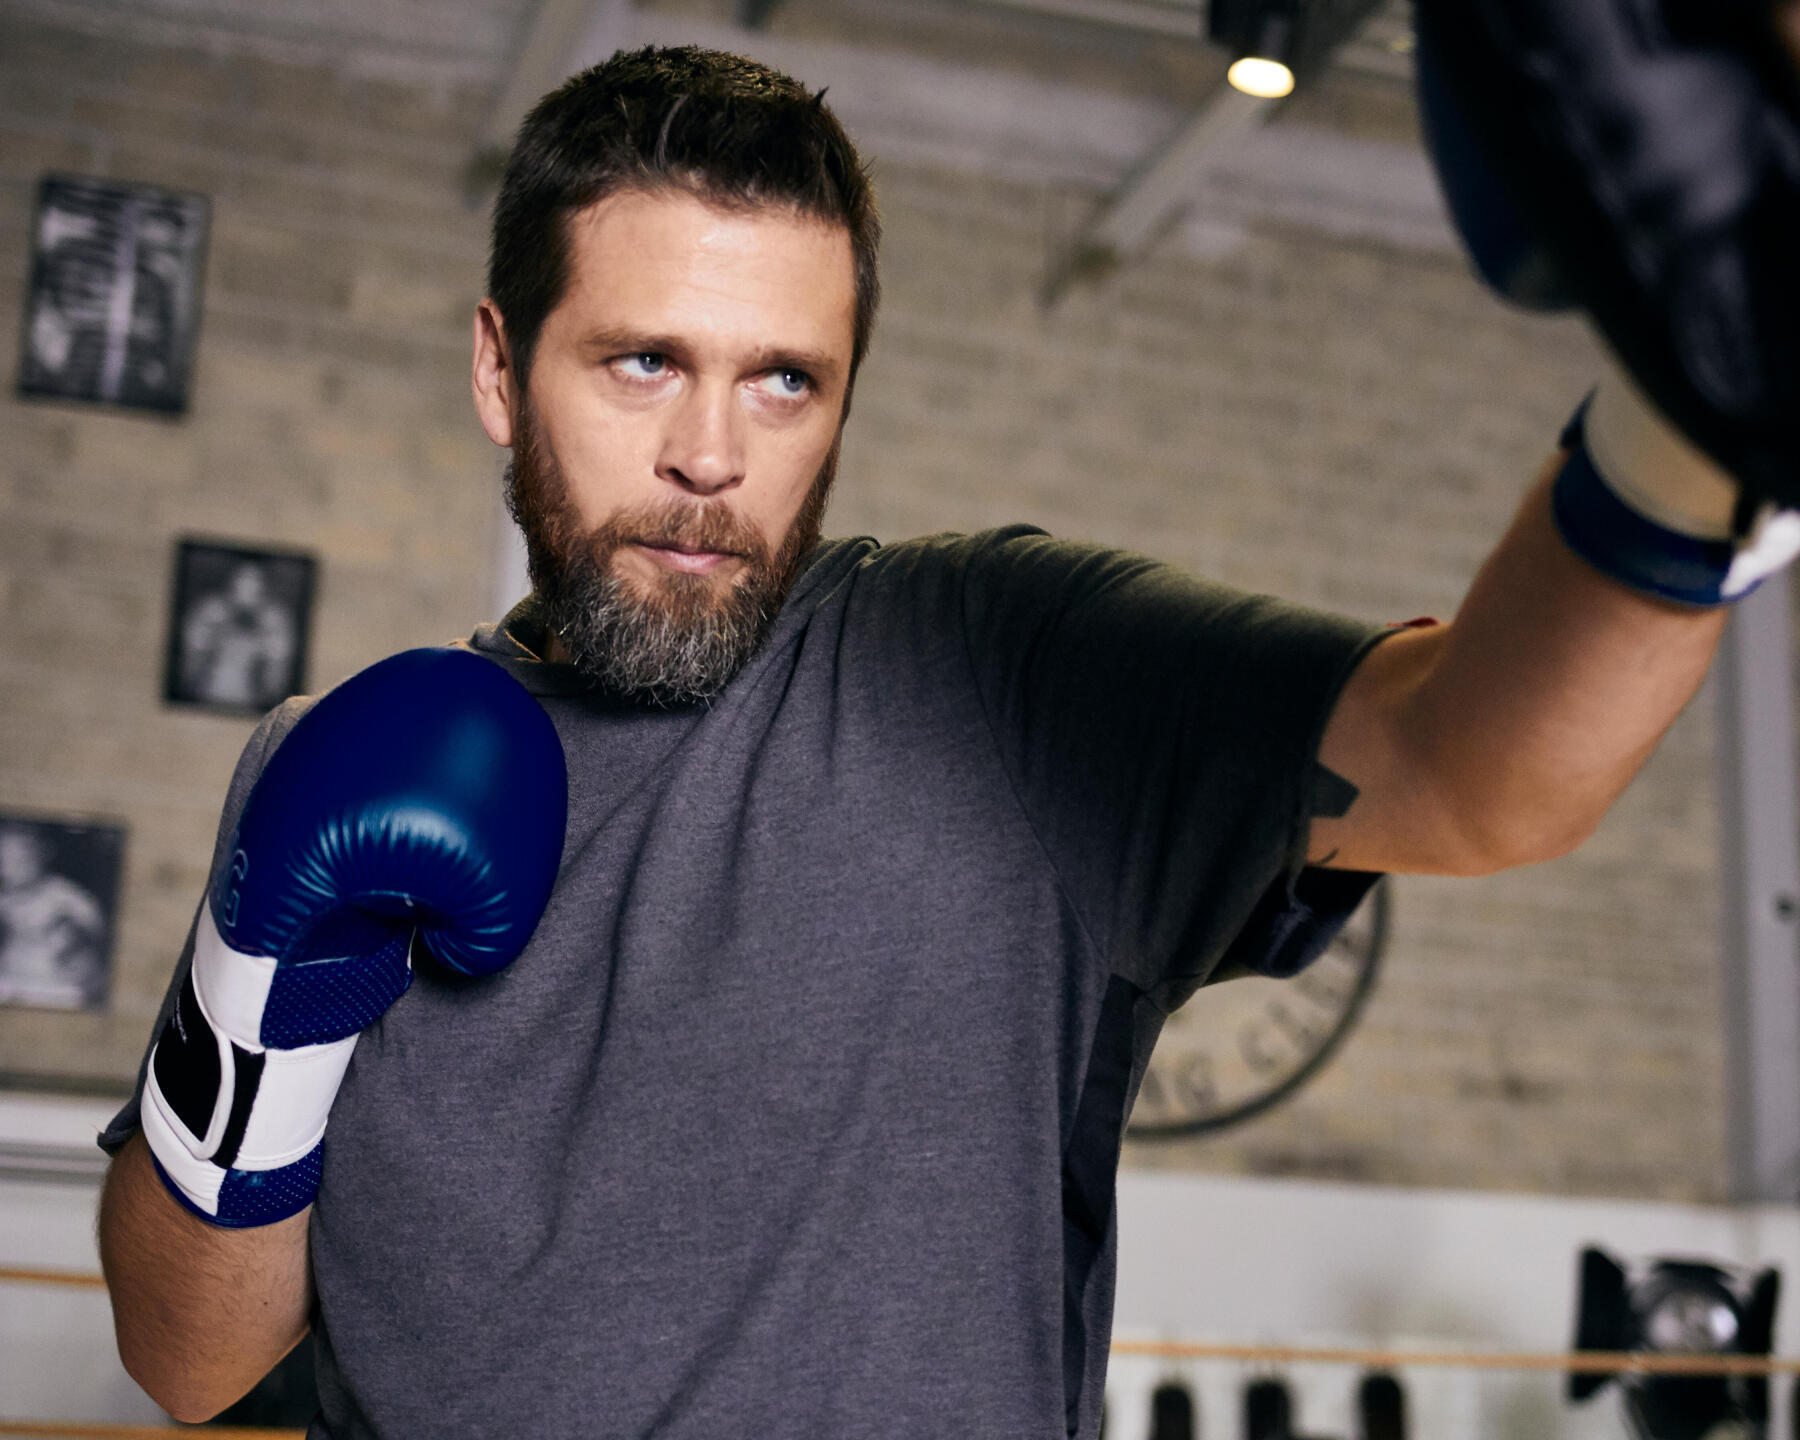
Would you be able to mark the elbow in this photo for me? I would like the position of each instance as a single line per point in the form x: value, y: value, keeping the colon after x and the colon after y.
x: 185, y: 1371
x: 193, y: 1410
x: 192, y: 1373
x: 167, y: 1384
x: 199, y: 1316
x: 187, y: 1396
x: 1488, y: 846
x: 181, y: 1400
x: 189, y: 1409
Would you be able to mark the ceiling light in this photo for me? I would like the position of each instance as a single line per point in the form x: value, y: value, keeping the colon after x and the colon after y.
x: 1265, y: 79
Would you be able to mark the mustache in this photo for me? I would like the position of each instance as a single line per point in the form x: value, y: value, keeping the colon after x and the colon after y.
x: 677, y: 524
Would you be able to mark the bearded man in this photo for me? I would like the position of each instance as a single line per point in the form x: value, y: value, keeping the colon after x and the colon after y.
x: 799, y: 1114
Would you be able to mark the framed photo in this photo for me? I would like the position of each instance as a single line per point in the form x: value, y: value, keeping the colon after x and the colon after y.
x: 113, y: 304
x: 239, y: 620
x: 59, y: 895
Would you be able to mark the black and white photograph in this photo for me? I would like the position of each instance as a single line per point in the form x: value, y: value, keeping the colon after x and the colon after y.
x: 238, y: 624
x: 114, y: 300
x: 59, y: 886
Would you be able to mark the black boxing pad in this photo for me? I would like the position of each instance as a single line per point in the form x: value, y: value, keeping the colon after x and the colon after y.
x: 1652, y: 151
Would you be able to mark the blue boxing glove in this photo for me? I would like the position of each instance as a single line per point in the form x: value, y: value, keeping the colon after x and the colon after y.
x: 422, y: 801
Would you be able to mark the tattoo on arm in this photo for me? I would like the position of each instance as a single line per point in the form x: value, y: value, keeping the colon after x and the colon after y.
x: 1332, y: 794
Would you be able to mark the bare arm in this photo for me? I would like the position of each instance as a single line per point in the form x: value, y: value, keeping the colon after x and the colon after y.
x: 201, y: 1312
x: 1502, y: 738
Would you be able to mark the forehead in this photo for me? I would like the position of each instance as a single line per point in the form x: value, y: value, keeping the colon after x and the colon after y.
x: 669, y: 263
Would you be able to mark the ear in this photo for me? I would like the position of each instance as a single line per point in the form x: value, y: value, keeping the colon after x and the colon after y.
x: 494, y: 379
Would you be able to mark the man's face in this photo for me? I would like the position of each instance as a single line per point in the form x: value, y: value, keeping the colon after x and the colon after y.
x: 672, y: 457
x: 21, y: 859
x: 246, y: 585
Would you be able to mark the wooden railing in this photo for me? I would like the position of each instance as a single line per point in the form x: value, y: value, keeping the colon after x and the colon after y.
x: 1587, y: 1362
x: 87, y: 1430
x: 1574, y: 1361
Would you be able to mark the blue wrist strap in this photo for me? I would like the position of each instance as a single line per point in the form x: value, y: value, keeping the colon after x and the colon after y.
x: 1618, y: 541
x: 256, y: 1197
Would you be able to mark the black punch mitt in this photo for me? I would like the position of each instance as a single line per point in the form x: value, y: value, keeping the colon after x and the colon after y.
x: 1652, y: 149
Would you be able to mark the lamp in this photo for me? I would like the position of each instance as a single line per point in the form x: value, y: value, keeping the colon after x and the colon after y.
x: 1688, y: 1307
x: 1261, y: 35
x: 1276, y: 45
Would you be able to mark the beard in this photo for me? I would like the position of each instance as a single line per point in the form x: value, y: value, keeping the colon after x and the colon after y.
x: 681, y: 639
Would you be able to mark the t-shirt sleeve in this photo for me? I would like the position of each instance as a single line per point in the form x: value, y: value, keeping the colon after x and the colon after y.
x: 1161, y: 733
x: 262, y: 743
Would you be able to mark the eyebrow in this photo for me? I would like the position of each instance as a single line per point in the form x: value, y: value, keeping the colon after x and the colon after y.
x: 770, y: 357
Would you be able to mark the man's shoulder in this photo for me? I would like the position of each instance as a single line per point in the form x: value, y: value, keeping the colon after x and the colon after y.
x: 274, y: 726
x: 264, y: 740
x: 865, y: 559
x: 948, y: 544
x: 919, y: 575
x: 1017, y: 563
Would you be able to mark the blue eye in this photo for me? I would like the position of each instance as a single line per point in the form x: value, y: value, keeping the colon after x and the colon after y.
x: 788, y: 384
x: 646, y: 365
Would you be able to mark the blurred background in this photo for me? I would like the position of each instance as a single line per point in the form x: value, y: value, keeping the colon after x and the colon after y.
x: 240, y: 245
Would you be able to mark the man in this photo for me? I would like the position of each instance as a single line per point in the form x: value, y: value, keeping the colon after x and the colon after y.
x: 799, y: 1114
x: 237, y: 643
x: 50, y: 929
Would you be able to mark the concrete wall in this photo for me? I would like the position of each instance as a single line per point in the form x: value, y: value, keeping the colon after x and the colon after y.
x: 1285, y: 395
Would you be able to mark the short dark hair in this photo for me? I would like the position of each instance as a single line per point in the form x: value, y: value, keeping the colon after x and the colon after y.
x: 721, y: 127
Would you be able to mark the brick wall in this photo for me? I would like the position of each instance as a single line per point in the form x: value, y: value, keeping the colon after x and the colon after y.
x: 328, y: 411
x: 1337, y: 422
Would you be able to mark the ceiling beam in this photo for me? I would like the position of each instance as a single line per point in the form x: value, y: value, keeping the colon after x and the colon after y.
x: 1382, y: 44
x: 1370, y: 34
x: 1159, y: 17
x: 551, y: 39
x: 1157, y: 191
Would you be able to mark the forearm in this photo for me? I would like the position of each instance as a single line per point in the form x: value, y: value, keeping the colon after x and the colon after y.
x: 1503, y: 737
x: 201, y: 1312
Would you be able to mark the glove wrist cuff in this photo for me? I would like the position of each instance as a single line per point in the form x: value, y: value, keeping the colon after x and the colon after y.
x: 238, y: 1199
x: 229, y: 1121
x: 1638, y: 501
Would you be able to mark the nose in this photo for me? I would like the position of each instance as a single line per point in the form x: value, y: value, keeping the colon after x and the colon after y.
x: 703, y: 449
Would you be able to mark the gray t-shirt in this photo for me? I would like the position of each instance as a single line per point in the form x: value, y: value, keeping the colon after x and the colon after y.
x: 799, y: 1116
